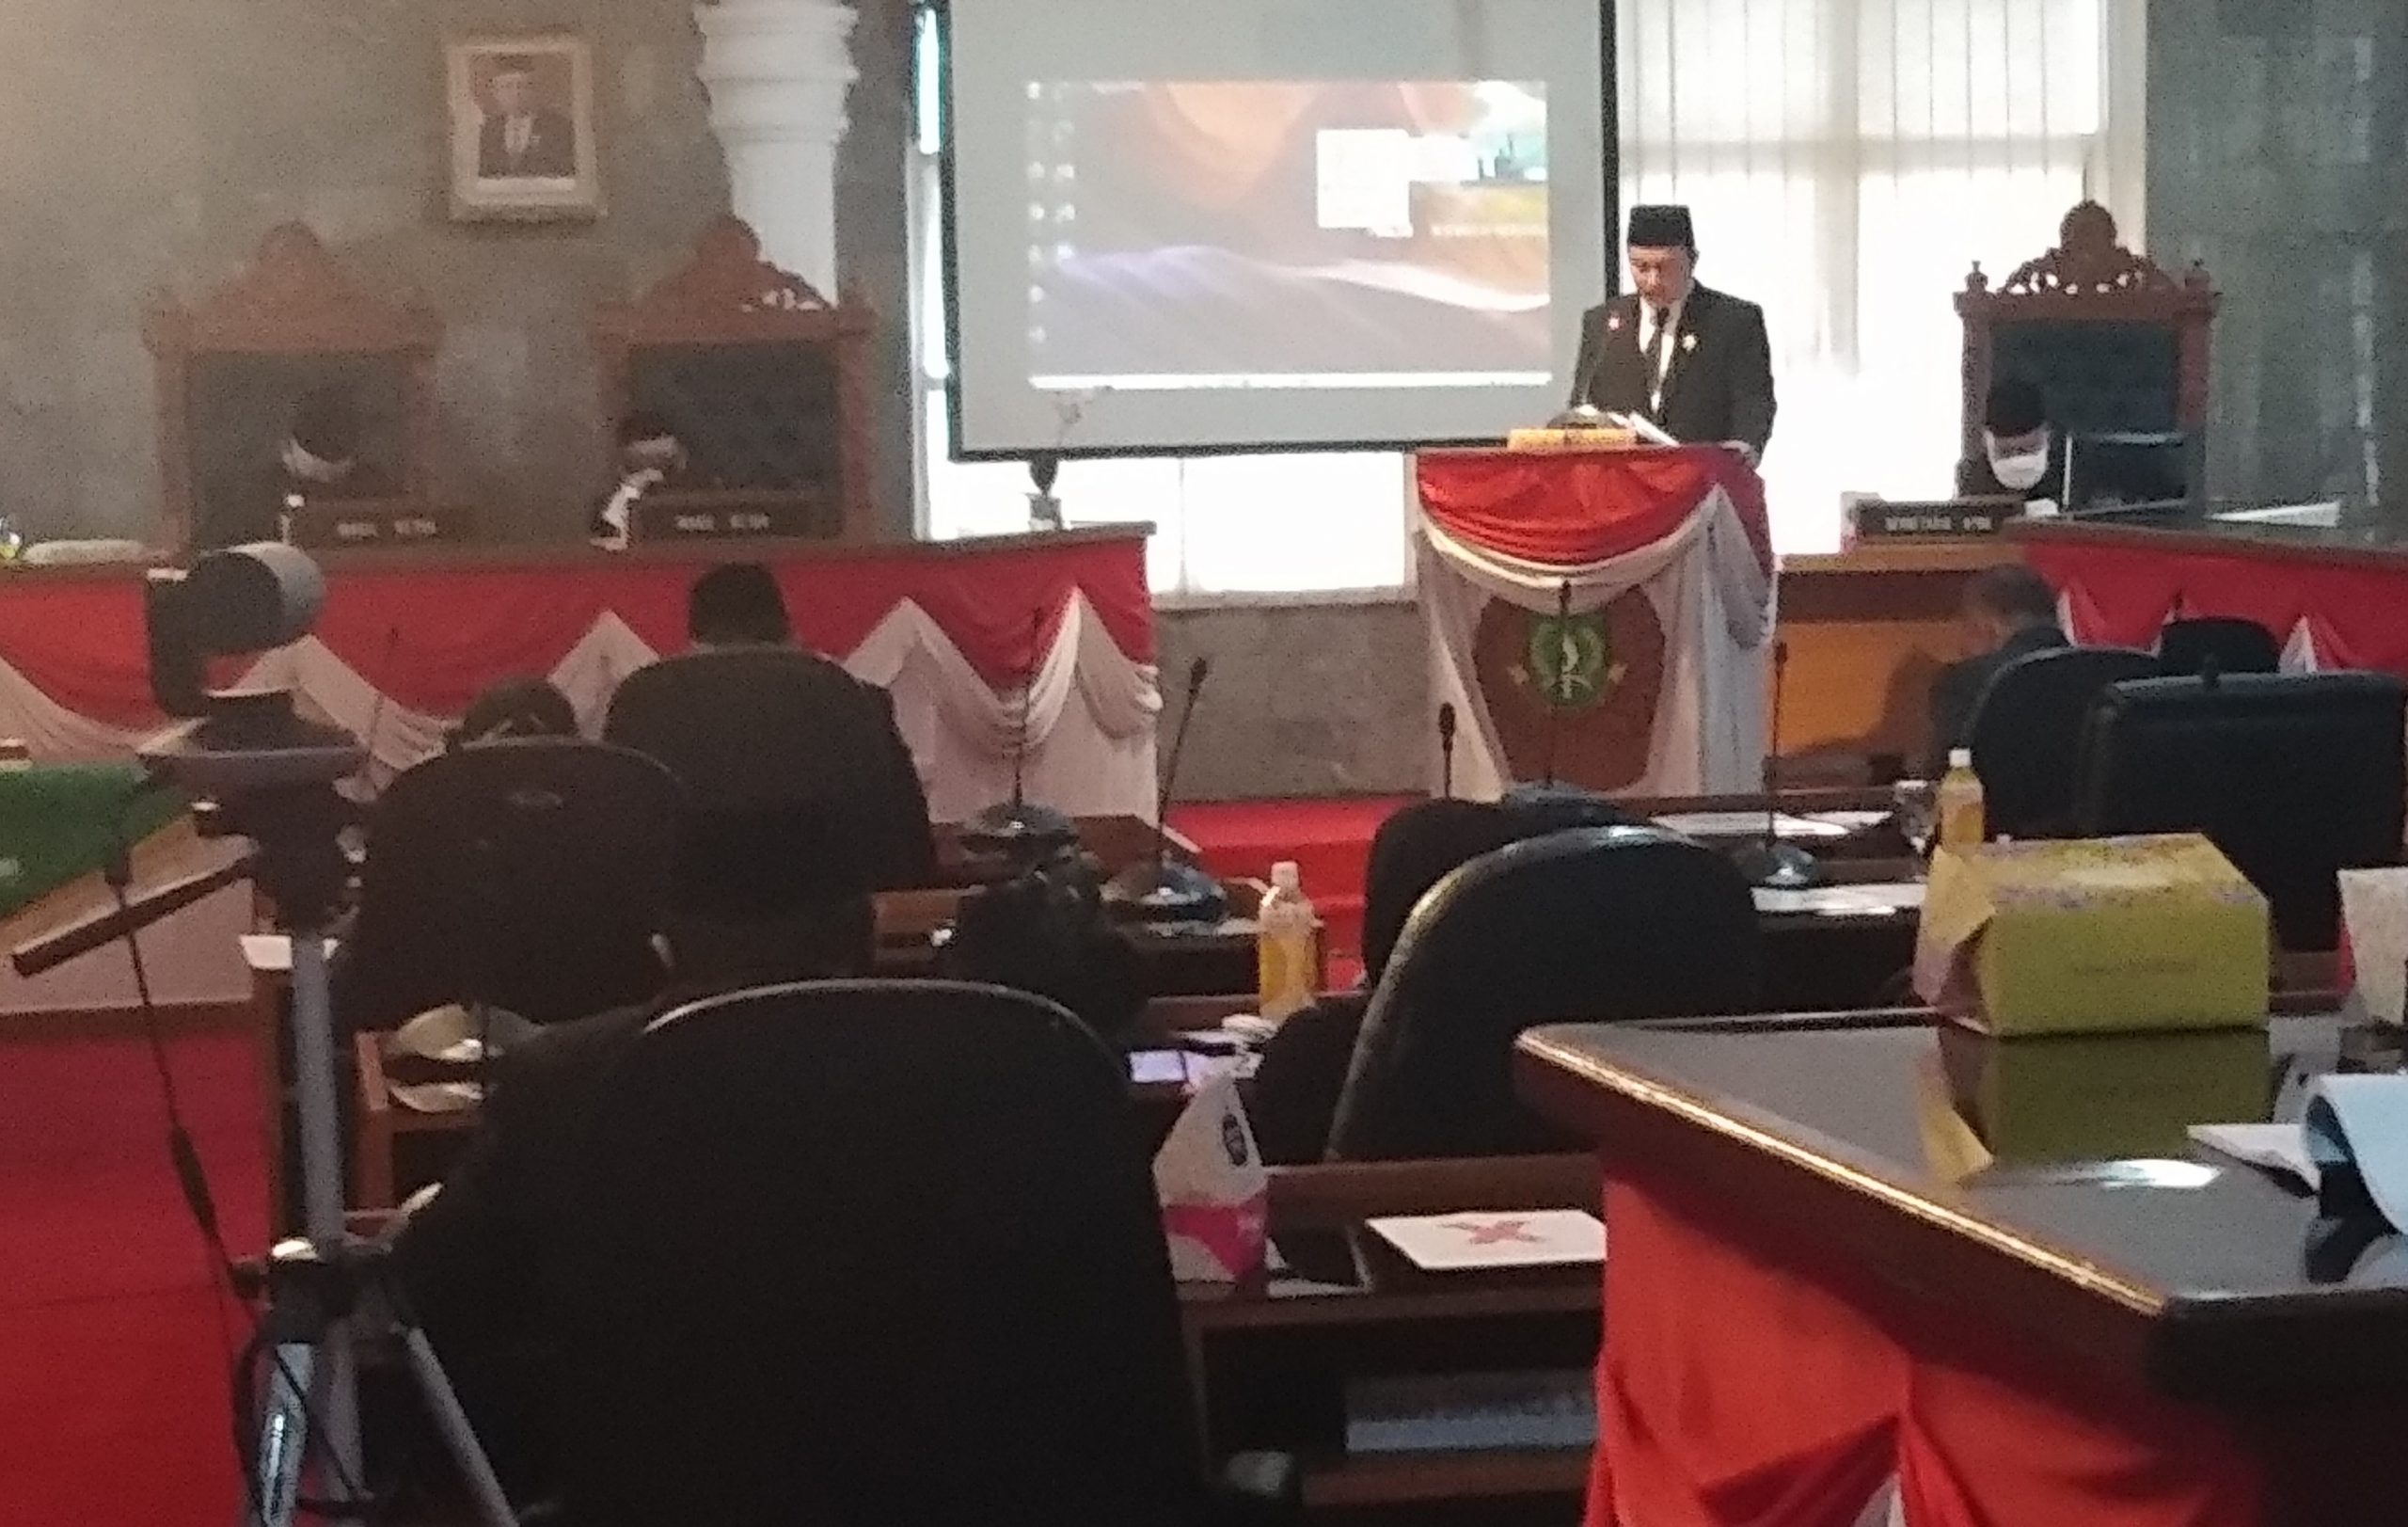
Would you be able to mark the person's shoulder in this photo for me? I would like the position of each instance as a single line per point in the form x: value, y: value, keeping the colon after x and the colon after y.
x: 1724, y: 305
x: 562, y: 1053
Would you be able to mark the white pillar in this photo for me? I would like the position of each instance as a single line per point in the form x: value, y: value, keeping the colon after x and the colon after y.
x: 777, y: 72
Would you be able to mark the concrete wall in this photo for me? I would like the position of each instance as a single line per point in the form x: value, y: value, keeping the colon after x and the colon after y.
x: 1303, y: 700
x: 152, y: 142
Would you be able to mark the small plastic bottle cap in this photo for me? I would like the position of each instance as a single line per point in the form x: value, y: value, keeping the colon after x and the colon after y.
x: 1960, y: 757
x: 1286, y: 877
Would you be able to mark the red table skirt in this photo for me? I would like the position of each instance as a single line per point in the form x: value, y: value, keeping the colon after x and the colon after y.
x: 1741, y: 1388
x: 2328, y: 615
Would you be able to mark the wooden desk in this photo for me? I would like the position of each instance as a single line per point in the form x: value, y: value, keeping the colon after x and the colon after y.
x: 1269, y: 1357
x: 1866, y: 629
x: 2171, y: 1316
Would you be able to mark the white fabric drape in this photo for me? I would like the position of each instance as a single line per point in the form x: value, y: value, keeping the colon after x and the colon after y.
x: 1848, y: 160
x: 1090, y: 713
x: 1709, y: 593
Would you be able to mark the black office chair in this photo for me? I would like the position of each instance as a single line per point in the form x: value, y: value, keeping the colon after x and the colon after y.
x: 525, y: 874
x: 1602, y: 924
x: 2027, y: 729
x: 2294, y: 777
x: 2228, y: 643
x: 866, y: 1253
x: 757, y: 734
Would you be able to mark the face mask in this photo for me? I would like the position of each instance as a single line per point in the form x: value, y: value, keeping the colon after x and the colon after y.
x: 2021, y: 473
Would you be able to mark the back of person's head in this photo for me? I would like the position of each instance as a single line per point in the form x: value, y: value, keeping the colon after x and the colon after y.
x: 1046, y: 931
x: 1413, y: 850
x: 736, y: 603
x: 767, y: 895
x: 513, y: 708
x: 2011, y: 596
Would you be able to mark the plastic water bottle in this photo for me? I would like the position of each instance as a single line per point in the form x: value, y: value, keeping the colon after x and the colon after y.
x: 1958, y: 805
x: 1286, y: 940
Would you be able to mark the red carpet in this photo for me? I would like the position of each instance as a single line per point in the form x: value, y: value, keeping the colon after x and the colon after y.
x: 112, y: 1405
x: 1328, y: 839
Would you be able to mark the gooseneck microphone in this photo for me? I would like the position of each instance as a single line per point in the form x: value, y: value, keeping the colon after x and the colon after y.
x: 1771, y: 862
x: 1446, y: 748
x: 1013, y: 829
x: 1161, y: 889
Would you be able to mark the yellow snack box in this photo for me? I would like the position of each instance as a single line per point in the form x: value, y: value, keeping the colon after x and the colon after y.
x: 2093, y: 936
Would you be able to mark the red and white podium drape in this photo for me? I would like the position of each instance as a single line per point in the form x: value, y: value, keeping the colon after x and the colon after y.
x: 1684, y: 527
x: 398, y: 652
x: 2327, y: 614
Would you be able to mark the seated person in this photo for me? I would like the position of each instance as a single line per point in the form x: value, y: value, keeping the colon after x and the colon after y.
x: 511, y: 708
x: 797, y: 721
x: 476, y: 1259
x: 2007, y: 612
x: 1046, y: 933
x: 1304, y: 1066
x: 505, y: 709
x: 2022, y: 455
x: 650, y: 453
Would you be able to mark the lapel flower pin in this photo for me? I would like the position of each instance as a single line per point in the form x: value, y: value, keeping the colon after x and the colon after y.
x: 1688, y: 342
x: 1613, y: 321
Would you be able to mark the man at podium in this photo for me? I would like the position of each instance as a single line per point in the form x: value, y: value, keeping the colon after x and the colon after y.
x: 1693, y: 360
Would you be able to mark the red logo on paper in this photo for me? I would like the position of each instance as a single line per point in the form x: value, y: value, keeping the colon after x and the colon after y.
x: 1498, y: 1232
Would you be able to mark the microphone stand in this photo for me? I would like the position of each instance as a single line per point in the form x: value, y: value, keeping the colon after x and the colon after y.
x: 1769, y: 863
x: 1447, y: 751
x: 1016, y: 830
x: 1159, y: 888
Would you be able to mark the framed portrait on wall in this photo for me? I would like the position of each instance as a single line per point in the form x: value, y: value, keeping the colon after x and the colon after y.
x: 521, y: 111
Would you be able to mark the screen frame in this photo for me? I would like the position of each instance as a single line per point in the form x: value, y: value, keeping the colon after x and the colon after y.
x: 1610, y: 206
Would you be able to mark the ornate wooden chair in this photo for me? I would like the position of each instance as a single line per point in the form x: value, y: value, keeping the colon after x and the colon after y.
x: 234, y: 365
x: 2114, y: 341
x: 763, y: 380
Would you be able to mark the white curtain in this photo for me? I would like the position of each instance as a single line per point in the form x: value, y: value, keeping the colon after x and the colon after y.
x: 1849, y: 160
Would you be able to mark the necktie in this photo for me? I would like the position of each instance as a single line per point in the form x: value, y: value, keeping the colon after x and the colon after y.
x: 1655, y: 345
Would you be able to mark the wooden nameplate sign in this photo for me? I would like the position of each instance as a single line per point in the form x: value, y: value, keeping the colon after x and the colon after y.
x: 723, y: 516
x: 1884, y: 519
x: 376, y: 522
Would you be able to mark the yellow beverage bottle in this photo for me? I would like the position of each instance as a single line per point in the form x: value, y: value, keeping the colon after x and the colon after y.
x: 1959, y: 804
x: 1286, y: 943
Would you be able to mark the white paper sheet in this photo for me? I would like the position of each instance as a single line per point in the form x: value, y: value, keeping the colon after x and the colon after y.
x: 1495, y: 1238
x: 2281, y: 1149
x: 1882, y: 900
x: 2374, y: 905
x: 2362, y: 1120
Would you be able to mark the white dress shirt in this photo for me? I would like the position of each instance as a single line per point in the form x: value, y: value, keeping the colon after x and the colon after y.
x: 1647, y: 337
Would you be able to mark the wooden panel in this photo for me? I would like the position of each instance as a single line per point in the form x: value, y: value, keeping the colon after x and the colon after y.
x: 1866, y: 630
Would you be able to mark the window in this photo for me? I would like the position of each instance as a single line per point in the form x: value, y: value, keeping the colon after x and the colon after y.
x: 1848, y: 160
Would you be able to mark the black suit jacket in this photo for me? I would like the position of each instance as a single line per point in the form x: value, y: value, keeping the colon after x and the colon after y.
x: 481, y: 1265
x: 551, y: 148
x: 1719, y: 387
x: 1956, y: 690
x: 748, y: 730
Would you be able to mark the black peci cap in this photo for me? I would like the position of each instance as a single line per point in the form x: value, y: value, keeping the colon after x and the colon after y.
x: 1661, y: 227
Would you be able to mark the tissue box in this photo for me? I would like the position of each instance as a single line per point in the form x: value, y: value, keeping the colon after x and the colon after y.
x: 2093, y: 936
x: 2087, y: 1097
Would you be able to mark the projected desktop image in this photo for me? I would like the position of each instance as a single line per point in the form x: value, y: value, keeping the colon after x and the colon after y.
x: 1206, y: 234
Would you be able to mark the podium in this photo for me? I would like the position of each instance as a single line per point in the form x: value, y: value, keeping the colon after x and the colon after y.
x: 1653, y: 681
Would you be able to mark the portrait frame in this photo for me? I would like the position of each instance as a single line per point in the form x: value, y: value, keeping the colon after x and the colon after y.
x: 521, y: 129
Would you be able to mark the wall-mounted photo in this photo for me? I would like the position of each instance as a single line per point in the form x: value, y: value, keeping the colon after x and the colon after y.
x: 522, y: 128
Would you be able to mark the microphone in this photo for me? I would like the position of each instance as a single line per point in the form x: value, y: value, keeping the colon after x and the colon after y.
x: 1014, y: 828
x: 1163, y: 889
x: 1555, y: 702
x: 1771, y: 862
x: 1446, y: 748
x: 1581, y: 413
